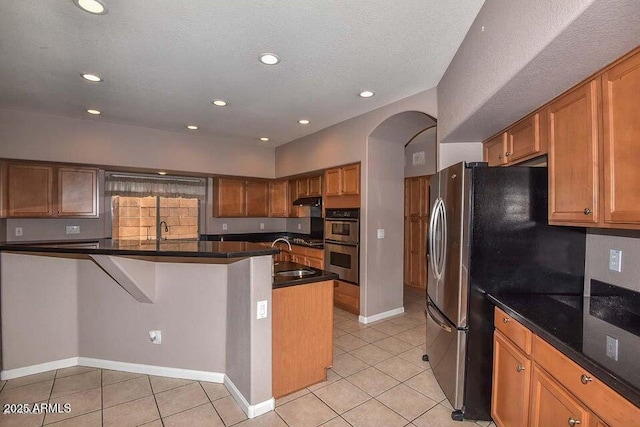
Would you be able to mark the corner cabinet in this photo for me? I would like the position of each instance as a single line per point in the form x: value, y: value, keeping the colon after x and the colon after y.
x: 536, y: 385
x: 34, y: 190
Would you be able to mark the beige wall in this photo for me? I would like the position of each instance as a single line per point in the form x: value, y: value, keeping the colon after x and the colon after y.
x: 450, y: 154
x: 424, y: 142
x: 599, y: 242
x: 519, y: 54
x: 37, y: 136
x: 347, y: 142
x: 39, y: 303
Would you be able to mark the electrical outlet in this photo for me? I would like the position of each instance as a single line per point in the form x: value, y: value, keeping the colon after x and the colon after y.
x: 224, y: 226
x: 155, y: 337
x: 73, y: 229
x: 299, y: 226
x: 612, y: 347
x: 380, y: 233
x: 262, y: 310
x: 262, y: 226
x: 615, y: 260
x: 18, y: 231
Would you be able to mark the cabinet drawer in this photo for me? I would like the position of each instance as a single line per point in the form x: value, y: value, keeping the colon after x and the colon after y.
x: 612, y: 408
x: 314, y: 253
x: 513, y: 330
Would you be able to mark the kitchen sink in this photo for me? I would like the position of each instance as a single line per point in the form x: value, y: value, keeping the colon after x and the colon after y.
x: 295, y: 273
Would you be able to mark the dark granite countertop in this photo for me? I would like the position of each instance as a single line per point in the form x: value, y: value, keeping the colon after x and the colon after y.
x: 168, y: 248
x: 284, y: 281
x: 568, y: 324
x: 305, y: 240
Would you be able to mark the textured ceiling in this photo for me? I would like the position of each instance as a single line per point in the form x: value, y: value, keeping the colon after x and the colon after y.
x: 163, y: 61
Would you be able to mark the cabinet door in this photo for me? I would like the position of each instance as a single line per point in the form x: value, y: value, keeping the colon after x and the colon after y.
x: 229, y: 197
x: 257, y: 199
x: 523, y: 139
x: 511, y: 381
x: 332, y: 182
x: 29, y: 190
x: 573, y: 157
x: 417, y: 256
x: 552, y: 405
x: 315, y: 262
x: 294, y: 211
x: 77, y: 192
x: 303, y: 187
x: 494, y: 150
x: 351, y: 180
x: 621, y: 88
x: 278, y: 199
x: 315, y: 186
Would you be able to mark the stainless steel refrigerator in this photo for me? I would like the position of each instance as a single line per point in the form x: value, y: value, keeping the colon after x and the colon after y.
x: 488, y: 233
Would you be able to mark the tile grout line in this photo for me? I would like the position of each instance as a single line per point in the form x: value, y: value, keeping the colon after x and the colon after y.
x: 101, y: 399
x: 155, y: 400
x: 211, y: 401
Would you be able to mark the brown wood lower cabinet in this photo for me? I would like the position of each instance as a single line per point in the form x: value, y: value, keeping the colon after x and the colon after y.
x: 547, y: 389
x: 511, y: 379
x: 347, y: 296
x: 302, y: 336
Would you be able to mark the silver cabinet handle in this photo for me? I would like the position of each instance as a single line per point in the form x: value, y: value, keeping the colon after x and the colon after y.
x: 520, y: 368
x: 586, y: 211
x: 573, y: 422
x: 505, y: 320
x: 584, y: 379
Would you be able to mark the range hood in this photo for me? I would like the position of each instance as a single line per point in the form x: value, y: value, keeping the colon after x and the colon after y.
x: 308, y: 201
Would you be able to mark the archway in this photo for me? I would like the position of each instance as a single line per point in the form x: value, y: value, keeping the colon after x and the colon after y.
x: 382, y: 225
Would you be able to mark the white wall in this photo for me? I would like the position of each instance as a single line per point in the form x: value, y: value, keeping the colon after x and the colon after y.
x: 37, y: 136
x: 519, y: 54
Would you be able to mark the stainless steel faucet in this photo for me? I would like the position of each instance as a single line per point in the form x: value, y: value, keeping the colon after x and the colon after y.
x: 281, y: 239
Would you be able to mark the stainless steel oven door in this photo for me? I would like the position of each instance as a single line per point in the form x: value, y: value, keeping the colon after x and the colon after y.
x: 342, y: 260
x: 341, y: 230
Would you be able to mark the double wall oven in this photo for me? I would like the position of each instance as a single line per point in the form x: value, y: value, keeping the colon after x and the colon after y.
x: 342, y: 243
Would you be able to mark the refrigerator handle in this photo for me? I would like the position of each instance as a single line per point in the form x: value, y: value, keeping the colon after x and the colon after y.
x: 440, y: 322
x: 443, y: 241
x: 431, y: 237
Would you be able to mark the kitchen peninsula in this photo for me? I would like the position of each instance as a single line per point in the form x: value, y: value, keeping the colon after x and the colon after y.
x: 97, y: 303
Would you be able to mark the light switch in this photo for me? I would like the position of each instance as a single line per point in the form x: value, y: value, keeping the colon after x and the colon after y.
x: 262, y: 226
x: 380, y: 233
x: 612, y: 347
x: 615, y: 260
x: 224, y: 226
x: 262, y: 310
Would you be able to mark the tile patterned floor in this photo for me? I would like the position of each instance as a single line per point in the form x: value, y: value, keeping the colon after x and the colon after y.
x: 378, y: 379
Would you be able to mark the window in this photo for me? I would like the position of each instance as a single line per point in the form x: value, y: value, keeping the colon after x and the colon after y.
x: 146, y: 207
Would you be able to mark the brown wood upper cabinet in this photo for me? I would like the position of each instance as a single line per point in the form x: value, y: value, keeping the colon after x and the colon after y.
x: 521, y: 141
x: 279, y: 198
x: 621, y: 121
x: 343, y: 181
x: 573, y: 157
x: 33, y: 190
x: 237, y: 197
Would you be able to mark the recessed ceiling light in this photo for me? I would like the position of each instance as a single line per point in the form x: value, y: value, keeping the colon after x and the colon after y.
x: 94, y: 112
x: 367, y: 94
x: 219, y: 102
x: 303, y: 121
x: 269, y: 58
x: 162, y: 173
x: 91, y: 77
x: 92, y: 6
x: 192, y: 127
x: 264, y: 139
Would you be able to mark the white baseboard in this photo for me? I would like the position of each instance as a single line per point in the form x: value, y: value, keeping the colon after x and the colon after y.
x: 161, y: 371
x: 252, y: 411
x: 380, y: 316
x: 36, y: 369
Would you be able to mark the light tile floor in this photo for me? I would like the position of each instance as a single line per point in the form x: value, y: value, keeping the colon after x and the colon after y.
x: 378, y: 379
